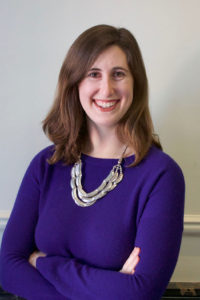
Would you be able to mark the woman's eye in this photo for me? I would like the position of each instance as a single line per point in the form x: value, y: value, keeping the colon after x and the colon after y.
x: 118, y: 74
x: 93, y: 74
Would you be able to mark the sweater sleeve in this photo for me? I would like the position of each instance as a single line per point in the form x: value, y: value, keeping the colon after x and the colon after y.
x: 16, y: 274
x: 159, y: 234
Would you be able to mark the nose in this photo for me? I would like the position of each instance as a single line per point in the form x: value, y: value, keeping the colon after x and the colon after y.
x: 107, y: 87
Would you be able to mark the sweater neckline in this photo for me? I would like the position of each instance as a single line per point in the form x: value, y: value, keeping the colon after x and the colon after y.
x: 106, y: 161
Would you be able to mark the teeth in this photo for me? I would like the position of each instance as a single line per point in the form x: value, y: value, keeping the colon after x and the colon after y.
x: 105, y: 104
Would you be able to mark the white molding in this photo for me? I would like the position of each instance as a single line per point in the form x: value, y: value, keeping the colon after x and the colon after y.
x: 192, y: 219
x: 4, y: 214
x: 191, y: 222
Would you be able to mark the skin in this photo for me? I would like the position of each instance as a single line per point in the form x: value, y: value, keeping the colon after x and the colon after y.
x: 108, y: 80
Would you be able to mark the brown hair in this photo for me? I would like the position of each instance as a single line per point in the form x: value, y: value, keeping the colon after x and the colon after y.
x: 65, y: 124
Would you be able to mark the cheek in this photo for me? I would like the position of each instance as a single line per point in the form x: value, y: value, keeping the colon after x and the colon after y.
x: 84, y: 97
x: 127, y: 90
x: 85, y: 92
x: 81, y: 89
x: 128, y: 94
x: 128, y: 98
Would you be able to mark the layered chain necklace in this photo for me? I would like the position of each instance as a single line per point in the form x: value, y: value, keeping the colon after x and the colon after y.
x: 84, y: 199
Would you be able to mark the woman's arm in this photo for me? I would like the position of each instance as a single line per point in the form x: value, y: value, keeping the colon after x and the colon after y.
x: 16, y: 274
x: 128, y: 267
x: 159, y: 236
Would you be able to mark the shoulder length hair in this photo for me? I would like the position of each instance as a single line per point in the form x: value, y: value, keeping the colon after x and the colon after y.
x: 65, y: 124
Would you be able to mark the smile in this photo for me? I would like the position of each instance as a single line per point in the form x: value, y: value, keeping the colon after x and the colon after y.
x: 106, y: 105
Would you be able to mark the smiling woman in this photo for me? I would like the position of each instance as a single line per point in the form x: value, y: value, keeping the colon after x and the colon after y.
x: 86, y: 66
x: 106, y: 92
x: 103, y: 206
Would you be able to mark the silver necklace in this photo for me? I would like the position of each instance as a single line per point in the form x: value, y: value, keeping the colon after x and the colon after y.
x: 84, y: 199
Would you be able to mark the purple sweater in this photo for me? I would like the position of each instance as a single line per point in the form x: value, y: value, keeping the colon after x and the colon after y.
x: 88, y: 246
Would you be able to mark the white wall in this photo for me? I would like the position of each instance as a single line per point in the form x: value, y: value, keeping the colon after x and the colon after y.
x: 35, y: 36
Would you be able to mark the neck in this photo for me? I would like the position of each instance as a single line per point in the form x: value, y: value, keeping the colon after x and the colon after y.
x: 104, y: 143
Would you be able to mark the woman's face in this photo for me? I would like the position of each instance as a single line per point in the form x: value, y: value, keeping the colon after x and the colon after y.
x: 106, y: 92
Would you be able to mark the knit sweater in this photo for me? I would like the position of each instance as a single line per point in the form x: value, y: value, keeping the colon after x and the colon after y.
x: 87, y: 246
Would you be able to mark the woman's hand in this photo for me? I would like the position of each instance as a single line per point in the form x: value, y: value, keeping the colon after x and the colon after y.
x: 34, y: 256
x: 131, y: 262
x: 128, y: 267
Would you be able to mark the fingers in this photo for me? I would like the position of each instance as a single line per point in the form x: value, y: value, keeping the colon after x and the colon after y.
x: 132, y: 261
x: 135, y: 262
x: 39, y: 254
x: 33, y: 257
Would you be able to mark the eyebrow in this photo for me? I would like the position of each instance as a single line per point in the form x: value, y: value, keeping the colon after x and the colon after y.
x: 114, y: 68
x: 120, y: 68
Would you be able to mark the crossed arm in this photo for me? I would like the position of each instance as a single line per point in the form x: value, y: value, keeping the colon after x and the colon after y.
x: 128, y: 267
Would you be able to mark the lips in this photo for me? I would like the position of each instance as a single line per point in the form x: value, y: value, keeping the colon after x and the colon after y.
x: 106, y: 105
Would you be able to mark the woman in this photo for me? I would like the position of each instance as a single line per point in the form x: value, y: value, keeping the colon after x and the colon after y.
x: 99, y: 214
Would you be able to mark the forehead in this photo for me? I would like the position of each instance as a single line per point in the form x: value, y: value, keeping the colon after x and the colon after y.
x: 111, y: 57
